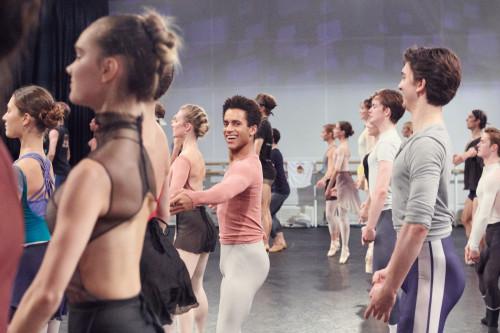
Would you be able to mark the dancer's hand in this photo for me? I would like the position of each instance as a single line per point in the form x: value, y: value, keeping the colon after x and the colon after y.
x: 360, y: 183
x: 321, y: 183
x: 213, y: 207
x: 379, y: 276
x: 457, y: 159
x: 382, y: 301
x: 367, y: 234
x: 363, y: 213
x: 180, y: 202
x: 471, y: 255
x: 333, y: 192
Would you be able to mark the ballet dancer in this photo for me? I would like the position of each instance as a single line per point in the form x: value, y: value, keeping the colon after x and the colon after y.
x: 331, y: 205
x: 487, y: 219
x: 244, y: 263
x: 196, y: 235
x: 424, y: 263
x: 98, y: 216
x: 344, y: 190
x: 387, y: 109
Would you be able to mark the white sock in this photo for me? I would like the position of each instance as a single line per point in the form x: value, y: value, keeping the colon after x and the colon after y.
x: 393, y: 328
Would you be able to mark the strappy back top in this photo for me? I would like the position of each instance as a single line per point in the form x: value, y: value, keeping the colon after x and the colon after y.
x: 38, y: 201
x: 127, y: 164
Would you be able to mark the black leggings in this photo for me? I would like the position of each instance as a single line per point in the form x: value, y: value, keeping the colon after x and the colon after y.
x: 488, y: 268
x: 124, y: 316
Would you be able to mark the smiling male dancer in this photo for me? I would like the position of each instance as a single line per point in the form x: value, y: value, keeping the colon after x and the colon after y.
x: 244, y: 263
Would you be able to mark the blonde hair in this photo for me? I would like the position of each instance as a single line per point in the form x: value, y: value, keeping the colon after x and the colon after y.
x: 196, y: 116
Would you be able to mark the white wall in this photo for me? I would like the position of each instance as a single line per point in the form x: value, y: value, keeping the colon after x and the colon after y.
x: 320, y: 58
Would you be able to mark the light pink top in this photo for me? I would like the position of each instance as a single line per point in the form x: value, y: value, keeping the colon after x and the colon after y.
x: 238, y: 200
x: 179, y: 174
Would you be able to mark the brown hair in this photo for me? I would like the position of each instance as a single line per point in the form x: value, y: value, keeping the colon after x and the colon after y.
x: 329, y: 128
x: 368, y: 103
x: 267, y: 101
x: 66, y: 109
x: 40, y: 105
x: 481, y: 116
x: 441, y: 69
x: 494, y: 135
x: 159, y: 110
x: 149, y: 46
x: 393, y: 100
x: 196, y: 116
x: 347, y: 128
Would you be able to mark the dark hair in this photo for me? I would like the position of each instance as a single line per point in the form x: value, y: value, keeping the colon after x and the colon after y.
x: 481, y: 116
x: 368, y: 103
x: 159, y: 110
x: 494, y: 135
x: 393, y: 100
x: 267, y: 101
x: 276, y: 135
x: 66, y: 109
x: 149, y: 46
x: 197, y: 117
x: 248, y: 105
x: 347, y: 128
x: 40, y: 105
x: 441, y: 69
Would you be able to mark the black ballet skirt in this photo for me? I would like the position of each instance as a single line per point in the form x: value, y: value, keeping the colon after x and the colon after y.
x: 166, y: 284
x: 196, y: 232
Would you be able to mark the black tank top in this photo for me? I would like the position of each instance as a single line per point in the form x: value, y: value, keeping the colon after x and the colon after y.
x: 127, y: 164
x: 473, y: 168
x: 60, y: 163
x: 265, y: 132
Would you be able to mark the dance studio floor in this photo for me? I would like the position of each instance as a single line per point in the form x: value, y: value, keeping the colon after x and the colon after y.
x: 308, y: 292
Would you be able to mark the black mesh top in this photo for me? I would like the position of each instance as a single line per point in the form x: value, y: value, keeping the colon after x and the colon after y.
x: 127, y: 164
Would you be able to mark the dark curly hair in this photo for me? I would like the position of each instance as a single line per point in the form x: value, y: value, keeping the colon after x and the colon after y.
x: 248, y: 105
x: 481, y: 116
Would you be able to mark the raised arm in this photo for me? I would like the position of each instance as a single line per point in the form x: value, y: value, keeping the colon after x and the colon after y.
x: 86, y: 197
x: 236, y: 180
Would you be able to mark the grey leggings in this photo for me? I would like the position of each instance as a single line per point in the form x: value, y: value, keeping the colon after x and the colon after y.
x: 383, y: 246
x: 244, y: 269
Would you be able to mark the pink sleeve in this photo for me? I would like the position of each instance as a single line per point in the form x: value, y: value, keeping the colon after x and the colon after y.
x: 236, y: 180
x: 179, y: 173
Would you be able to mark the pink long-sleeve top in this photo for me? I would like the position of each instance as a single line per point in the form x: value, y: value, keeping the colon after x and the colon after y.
x: 238, y: 200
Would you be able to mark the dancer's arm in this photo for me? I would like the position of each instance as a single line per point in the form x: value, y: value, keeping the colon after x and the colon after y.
x: 236, y: 180
x: 470, y: 153
x: 339, y: 158
x: 86, y: 197
x: 179, y: 173
x: 53, y: 137
x: 377, y: 201
x: 489, y: 195
x: 322, y: 182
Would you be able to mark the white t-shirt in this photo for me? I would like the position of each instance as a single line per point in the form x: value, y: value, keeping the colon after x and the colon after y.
x: 385, y: 150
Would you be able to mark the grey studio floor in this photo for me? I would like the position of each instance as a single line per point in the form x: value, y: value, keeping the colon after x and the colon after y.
x: 308, y: 292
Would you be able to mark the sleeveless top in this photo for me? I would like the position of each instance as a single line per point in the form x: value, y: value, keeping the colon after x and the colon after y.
x: 35, y: 228
x: 38, y: 201
x: 473, y: 168
x: 265, y: 132
x: 129, y: 169
x: 60, y: 163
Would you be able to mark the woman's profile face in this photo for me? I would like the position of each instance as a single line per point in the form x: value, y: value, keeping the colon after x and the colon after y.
x: 85, y: 71
x: 363, y: 111
x: 13, y: 120
x: 325, y: 135
x: 178, y: 125
x: 372, y: 130
x: 336, y: 131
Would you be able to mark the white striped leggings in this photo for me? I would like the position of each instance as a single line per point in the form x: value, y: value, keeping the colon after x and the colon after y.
x: 431, y: 289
